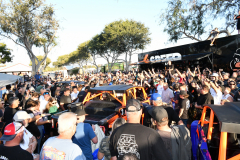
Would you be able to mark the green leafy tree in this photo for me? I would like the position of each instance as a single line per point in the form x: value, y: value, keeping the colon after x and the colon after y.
x: 81, y: 56
x: 109, y: 44
x: 61, y: 61
x: 5, y: 54
x: 40, y: 58
x: 29, y: 23
x: 195, y: 19
x: 131, y: 36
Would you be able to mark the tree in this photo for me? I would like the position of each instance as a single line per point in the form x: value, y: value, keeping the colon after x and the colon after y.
x: 195, y: 19
x: 5, y: 54
x: 133, y: 36
x: 81, y: 55
x: 94, y: 50
x: 48, y: 61
x: 109, y: 44
x: 29, y: 23
x: 61, y: 61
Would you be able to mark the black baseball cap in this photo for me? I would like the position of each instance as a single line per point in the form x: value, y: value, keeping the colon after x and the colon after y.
x: 133, y: 105
x: 80, y: 112
x: 158, y: 114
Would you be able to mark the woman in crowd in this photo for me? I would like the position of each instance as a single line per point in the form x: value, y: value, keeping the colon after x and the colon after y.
x: 226, y: 95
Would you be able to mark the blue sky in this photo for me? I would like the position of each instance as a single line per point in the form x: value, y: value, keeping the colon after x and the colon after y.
x: 80, y: 20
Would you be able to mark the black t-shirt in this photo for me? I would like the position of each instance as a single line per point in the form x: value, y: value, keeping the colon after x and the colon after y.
x: 66, y: 100
x: 82, y: 95
x: 166, y: 137
x: 237, y: 97
x: 8, y: 114
x: 26, y: 78
x: 185, y: 105
x: 14, y: 153
x: 172, y: 115
x: 205, y: 99
x: 142, y: 141
x: 194, y: 93
x: 32, y: 127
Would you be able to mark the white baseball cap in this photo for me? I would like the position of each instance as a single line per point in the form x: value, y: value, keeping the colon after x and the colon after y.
x: 22, y: 115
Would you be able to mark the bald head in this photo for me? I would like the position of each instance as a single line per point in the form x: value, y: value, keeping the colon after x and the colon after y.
x: 165, y: 86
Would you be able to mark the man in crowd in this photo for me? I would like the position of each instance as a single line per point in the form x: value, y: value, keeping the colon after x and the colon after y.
x: 37, y: 76
x: 157, y: 101
x: 65, y: 99
x: 167, y: 93
x: 204, y: 98
x: 13, y: 137
x: 135, y: 138
x: 11, y: 110
x: 44, y: 102
x: 84, y: 135
x: 83, y: 94
x: 177, y: 139
x: 74, y: 94
x: 29, y: 140
x: 62, y: 147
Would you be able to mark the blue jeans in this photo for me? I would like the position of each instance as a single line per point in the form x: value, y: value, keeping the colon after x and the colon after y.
x: 40, y: 139
x: 185, y: 121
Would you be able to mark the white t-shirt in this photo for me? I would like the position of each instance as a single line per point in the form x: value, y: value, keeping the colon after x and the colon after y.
x: 226, y: 97
x: 216, y: 96
x: 41, y: 98
x: 43, y: 105
x: 74, y: 96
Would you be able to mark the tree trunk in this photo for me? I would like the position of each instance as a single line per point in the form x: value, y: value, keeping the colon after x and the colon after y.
x: 126, y: 62
x: 45, y: 64
x: 33, y: 66
x: 129, y: 61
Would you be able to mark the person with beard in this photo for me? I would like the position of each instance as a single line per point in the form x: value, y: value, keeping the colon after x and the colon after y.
x: 204, y: 98
x: 13, y: 137
x: 29, y: 140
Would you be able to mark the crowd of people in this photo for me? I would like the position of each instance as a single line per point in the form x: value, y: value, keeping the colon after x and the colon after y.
x: 177, y: 98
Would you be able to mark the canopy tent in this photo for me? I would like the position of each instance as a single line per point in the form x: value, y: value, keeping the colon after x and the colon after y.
x: 6, y: 79
x: 19, y: 67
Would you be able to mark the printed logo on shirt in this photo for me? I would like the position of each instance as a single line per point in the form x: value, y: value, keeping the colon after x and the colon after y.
x: 127, y: 144
x: 52, y: 153
x: 3, y: 158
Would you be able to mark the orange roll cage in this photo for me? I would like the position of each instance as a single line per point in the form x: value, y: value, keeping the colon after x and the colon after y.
x: 223, y: 136
x: 131, y: 91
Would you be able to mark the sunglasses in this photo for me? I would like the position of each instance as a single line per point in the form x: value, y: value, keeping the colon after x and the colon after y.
x: 45, y: 93
x: 232, y: 84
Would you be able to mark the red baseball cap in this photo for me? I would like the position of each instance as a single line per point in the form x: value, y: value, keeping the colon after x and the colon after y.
x: 11, y: 130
